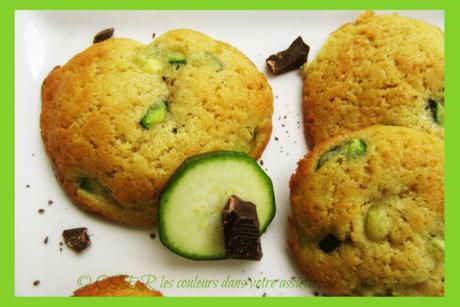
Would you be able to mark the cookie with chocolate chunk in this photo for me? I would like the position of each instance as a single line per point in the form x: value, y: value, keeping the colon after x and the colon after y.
x: 120, y: 117
x: 380, y: 69
x: 367, y: 213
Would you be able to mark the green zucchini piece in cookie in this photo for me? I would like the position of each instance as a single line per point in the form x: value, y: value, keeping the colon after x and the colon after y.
x: 155, y: 114
x: 191, y: 203
x: 177, y: 58
x: 349, y: 150
x: 437, y: 111
x: 215, y: 60
x: 94, y: 187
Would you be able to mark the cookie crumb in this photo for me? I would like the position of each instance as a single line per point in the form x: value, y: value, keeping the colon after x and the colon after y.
x: 36, y: 283
x: 28, y: 186
x: 153, y: 236
x: 153, y: 35
x: 41, y: 211
x: 45, y: 241
x: 261, y: 162
x: 50, y: 202
x: 276, y: 139
x: 265, y: 294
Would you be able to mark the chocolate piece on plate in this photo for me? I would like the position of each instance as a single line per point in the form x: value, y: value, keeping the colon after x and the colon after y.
x: 293, y: 57
x: 103, y: 35
x: 241, y: 230
x: 76, y: 238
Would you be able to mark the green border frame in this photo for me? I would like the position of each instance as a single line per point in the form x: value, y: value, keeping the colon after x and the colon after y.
x: 7, y: 8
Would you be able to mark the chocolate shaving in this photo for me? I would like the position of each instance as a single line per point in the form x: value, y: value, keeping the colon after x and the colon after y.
x: 241, y: 230
x: 76, y: 238
x: 293, y: 57
x: 103, y: 35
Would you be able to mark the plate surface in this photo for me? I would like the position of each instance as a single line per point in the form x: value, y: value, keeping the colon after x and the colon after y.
x: 44, y: 39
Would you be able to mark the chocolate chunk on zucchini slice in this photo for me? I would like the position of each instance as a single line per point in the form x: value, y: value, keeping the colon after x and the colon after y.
x: 191, y: 203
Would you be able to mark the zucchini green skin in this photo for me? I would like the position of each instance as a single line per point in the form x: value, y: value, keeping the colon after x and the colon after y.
x: 188, y: 165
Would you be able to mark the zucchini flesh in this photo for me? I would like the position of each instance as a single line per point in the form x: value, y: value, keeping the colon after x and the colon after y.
x: 190, y: 206
x: 155, y: 114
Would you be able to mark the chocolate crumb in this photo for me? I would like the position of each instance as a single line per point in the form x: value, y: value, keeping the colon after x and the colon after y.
x: 27, y: 185
x: 60, y: 249
x: 315, y: 293
x: 103, y: 35
x: 50, y: 202
x: 45, y: 241
x: 153, y: 35
x: 265, y: 294
x: 41, y: 211
x: 153, y: 236
x: 276, y: 139
x: 60, y: 243
x: 261, y: 162
x: 241, y: 230
x: 174, y: 130
x: 249, y: 278
x: 33, y: 155
x: 293, y: 57
x: 77, y: 238
x: 36, y: 283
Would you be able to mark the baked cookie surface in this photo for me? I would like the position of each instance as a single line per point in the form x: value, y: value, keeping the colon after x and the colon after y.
x: 384, y: 69
x: 367, y: 213
x: 116, y: 286
x: 120, y: 117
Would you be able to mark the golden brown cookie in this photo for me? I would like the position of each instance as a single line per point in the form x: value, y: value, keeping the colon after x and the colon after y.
x: 119, y: 117
x: 116, y: 286
x: 367, y: 213
x: 384, y: 69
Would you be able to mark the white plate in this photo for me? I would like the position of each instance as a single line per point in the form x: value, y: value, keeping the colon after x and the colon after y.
x: 45, y: 39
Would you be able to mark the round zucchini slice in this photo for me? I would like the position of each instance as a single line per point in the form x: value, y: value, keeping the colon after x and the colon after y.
x: 191, y: 203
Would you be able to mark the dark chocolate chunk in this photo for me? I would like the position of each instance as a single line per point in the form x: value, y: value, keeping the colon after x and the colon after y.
x: 76, y: 238
x: 293, y: 57
x: 329, y: 243
x: 241, y: 230
x: 103, y: 35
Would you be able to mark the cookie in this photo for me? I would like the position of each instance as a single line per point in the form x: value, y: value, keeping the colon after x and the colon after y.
x: 116, y: 286
x: 120, y: 117
x: 385, y: 69
x: 367, y: 213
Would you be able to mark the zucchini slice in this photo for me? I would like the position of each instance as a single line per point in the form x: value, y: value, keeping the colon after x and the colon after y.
x: 191, y: 203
